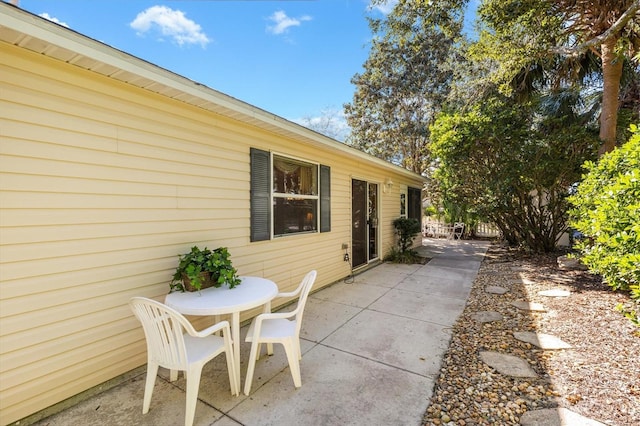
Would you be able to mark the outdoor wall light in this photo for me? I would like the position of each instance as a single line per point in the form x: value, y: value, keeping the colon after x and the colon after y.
x: 388, y: 184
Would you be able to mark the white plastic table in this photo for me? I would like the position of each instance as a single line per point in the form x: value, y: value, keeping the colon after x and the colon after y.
x: 250, y: 293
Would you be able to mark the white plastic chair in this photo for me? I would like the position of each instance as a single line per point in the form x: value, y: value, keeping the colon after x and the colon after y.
x: 458, y: 230
x: 294, y: 293
x: 170, y: 347
x: 280, y: 327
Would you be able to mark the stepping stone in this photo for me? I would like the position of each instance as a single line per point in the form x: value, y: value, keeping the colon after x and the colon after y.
x: 556, y: 417
x: 541, y: 340
x: 520, y: 268
x: 556, y: 292
x: 487, y: 316
x: 529, y: 306
x: 567, y: 264
x: 508, y: 364
x: 494, y: 289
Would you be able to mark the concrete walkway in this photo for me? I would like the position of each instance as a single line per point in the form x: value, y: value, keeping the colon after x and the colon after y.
x: 372, y: 349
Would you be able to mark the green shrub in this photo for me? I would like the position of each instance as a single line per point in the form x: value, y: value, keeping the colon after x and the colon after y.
x: 406, y: 230
x: 606, y: 209
x: 408, y: 257
x: 510, y: 164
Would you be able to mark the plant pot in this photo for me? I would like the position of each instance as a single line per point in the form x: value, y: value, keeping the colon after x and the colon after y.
x: 206, y: 282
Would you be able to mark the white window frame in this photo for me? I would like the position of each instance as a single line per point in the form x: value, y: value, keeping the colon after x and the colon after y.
x: 275, y: 195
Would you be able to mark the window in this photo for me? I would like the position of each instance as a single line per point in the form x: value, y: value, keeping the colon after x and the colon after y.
x: 295, y: 196
x: 288, y: 196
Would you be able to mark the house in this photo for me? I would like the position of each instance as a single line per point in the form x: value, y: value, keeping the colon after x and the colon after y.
x: 111, y: 167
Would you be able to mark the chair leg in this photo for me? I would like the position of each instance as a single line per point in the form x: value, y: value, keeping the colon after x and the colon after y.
x: 269, y: 350
x: 259, y: 350
x: 255, y: 346
x: 294, y: 362
x: 235, y: 387
x: 216, y: 318
x: 267, y: 309
x: 193, y: 385
x: 152, y: 372
x: 173, y: 375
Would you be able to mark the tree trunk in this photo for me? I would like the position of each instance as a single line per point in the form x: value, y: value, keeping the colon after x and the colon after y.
x: 611, y: 74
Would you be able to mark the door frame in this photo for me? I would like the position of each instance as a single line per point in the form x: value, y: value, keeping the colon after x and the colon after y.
x: 362, y: 251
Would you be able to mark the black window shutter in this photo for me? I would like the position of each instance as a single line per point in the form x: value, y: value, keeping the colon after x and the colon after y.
x: 325, y: 198
x: 415, y: 202
x: 260, y: 195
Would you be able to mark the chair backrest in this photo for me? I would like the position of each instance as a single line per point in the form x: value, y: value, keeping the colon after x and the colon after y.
x: 307, y: 283
x: 164, y: 331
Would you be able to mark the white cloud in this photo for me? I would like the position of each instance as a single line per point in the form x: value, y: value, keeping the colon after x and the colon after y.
x: 385, y: 7
x: 283, y: 22
x: 45, y: 15
x: 171, y: 23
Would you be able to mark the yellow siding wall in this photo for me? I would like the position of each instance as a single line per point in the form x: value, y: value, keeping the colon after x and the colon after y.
x: 102, y: 185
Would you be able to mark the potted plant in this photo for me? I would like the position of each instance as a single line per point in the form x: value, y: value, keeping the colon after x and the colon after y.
x: 202, y: 268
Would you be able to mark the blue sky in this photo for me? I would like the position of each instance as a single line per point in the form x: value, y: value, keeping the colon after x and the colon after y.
x: 292, y: 58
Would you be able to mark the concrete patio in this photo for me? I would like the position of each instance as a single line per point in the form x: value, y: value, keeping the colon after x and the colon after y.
x: 372, y: 349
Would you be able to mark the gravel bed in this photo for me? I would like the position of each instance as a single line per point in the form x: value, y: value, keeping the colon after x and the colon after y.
x: 599, y: 377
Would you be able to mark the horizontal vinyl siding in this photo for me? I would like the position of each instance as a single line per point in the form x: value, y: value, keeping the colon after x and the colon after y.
x: 102, y: 185
x: 98, y: 198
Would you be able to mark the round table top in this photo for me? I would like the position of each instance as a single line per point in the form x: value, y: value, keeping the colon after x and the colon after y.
x: 250, y: 293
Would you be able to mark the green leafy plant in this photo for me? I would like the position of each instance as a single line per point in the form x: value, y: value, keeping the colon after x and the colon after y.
x: 630, y: 313
x: 430, y: 211
x: 606, y: 209
x: 408, y: 257
x: 204, y: 268
x: 221, y: 268
x: 406, y: 230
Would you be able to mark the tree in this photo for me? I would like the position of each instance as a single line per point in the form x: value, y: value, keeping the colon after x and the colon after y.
x: 512, y: 163
x: 330, y: 123
x: 556, y: 41
x: 405, y: 81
